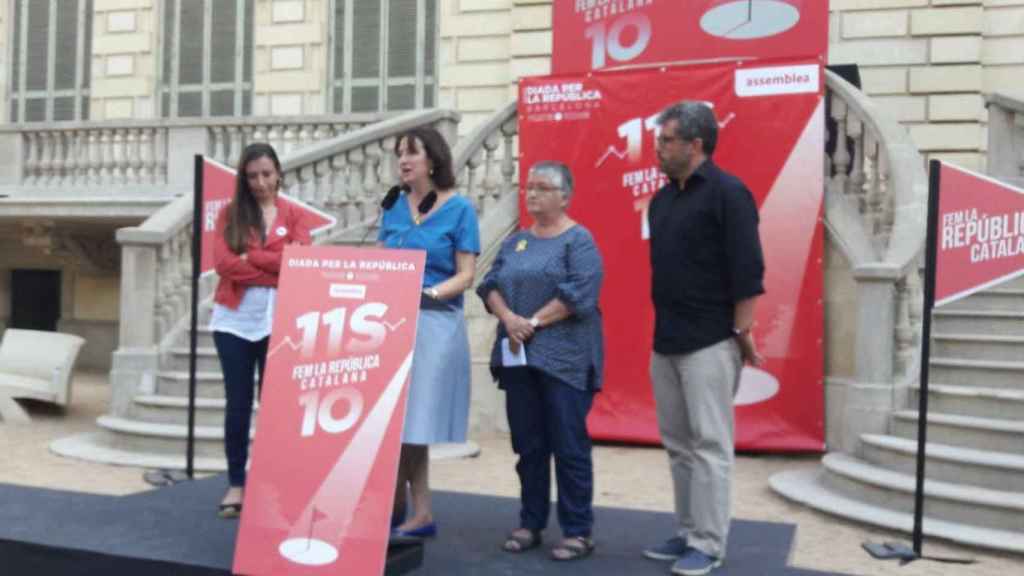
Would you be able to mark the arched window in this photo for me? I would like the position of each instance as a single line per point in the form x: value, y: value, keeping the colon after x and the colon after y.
x: 383, y: 55
x: 50, y: 64
x: 207, y: 50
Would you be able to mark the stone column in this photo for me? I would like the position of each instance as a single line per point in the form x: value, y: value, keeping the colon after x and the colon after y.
x: 862, y: 405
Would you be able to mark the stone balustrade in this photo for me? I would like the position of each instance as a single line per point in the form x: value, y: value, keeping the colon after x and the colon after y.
x: 1006, y: 137
x: 148, y: 157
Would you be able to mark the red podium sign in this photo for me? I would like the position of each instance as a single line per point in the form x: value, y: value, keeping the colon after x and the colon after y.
x: 980, y: 233
x: 603, y: 34
x: 771, y: 135
x: 218, y: 185
x: 319, y: 496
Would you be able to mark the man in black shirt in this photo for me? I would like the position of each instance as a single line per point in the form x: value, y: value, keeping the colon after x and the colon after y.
x: 707, y: 273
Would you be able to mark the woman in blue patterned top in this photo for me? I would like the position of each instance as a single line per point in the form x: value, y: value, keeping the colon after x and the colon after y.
x: 548, y: 357
x: 425, y: 213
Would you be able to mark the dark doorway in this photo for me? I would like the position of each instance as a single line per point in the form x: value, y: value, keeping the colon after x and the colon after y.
x: 35, y: 299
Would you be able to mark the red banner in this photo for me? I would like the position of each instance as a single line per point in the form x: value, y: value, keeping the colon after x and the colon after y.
x: 772, y: 131
x: 324, y: 460
x: 219, y: 188
x: 602, y: 34
x: 980, y: 233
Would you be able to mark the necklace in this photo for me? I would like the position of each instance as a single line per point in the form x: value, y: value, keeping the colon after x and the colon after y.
x: 424, y: 206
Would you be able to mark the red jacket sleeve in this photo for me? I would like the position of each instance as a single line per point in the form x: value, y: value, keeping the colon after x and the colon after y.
x: 268, y: 258
x: 232, y: 266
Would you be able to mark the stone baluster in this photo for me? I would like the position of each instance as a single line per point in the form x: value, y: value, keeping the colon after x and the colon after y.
x: 109, y: 160
x: 29, y: 175
x: 861, y: 161
x: 288, y: 140
x: 161, y: 312
x: 492, y: 169
x: 357, y: 163
x: 887, y: 209
x: 338, y: 191
x: 160, y: 149
x: 145, y: 146
x: 474, y: 189
x: 508, y: 159
x: 237, y: 144
x: 373, y: 184
x: 841, y: 156
x: 60, y: 164
x: 135, y: 156
x: 71, y: 158
x: 904, y: 335
x: 46, y: 158
x: 322, y: 183
x: 95, y: 146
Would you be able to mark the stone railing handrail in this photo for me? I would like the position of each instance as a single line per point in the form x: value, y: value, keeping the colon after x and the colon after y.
x: 1009, y: 100
x: 370, y: 133
x: 907, y: 183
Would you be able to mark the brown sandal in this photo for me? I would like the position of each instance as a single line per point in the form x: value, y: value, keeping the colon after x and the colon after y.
x: 521, y: 540
x: 573, y: 548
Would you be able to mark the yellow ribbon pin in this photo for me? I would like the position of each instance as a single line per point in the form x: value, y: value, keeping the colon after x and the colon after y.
x: 521, y: 245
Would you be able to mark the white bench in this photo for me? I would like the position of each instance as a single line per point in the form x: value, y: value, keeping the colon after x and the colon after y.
x: 38, y: 365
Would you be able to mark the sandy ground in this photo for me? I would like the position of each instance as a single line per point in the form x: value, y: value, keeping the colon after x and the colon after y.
x: 626, y: 476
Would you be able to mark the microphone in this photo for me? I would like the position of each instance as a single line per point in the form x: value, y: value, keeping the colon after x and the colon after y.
x: 389, y: 200
x: 391, y: 197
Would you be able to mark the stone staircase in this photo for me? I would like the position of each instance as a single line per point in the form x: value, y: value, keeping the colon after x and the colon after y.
x: 974, y: 493
x: 147, y: 424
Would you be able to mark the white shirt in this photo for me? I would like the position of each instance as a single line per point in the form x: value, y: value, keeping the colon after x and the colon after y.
x: 252, y: 319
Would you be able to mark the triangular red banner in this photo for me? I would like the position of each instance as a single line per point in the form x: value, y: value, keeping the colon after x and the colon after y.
x: 980, y: 240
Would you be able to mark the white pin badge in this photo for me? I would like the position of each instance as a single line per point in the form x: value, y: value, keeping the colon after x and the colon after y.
x: 281, y: 230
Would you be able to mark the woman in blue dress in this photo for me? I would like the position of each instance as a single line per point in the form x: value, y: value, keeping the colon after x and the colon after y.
x: 548, y: 357
x: 425, y: 213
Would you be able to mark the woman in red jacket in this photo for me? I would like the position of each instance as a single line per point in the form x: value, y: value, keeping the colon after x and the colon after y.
x: 252, y: 231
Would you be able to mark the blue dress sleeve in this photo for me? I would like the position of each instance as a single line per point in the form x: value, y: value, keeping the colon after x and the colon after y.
x: 467, y: 232
x: 581, y: 287
x: 490, y: 280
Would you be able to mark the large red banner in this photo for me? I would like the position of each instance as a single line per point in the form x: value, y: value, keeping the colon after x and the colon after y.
x: 324, y: 460
x: 981, y: 233
x: 771, y: 120
x: 605, y: 34
x: 218, y: 186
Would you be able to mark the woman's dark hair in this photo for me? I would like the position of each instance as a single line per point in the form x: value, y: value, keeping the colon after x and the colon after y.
x: 436, y: 147
x: 244, y: 216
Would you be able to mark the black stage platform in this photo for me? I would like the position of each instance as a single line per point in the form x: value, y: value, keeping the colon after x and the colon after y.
x: 175, y: 530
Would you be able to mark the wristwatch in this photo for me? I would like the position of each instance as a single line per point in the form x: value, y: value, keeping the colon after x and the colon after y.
x: 737, y: 332
x: 432, y: 292
x: 534, y: 322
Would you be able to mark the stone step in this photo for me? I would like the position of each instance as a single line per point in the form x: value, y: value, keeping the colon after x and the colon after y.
x: 972, y: 322
x: 175, y: 383
x: 981, y: 468
x: 982, y: 373
x: 992, y: 300
x: 177, y: 359
x: 104, y: 446
x: 997, y: 435
x: 951, y: 502
x: 998, y: 403
x: 174, y: 410
x: 162, y: 438
x: 808, y: 487
x: 978, y: 347
x: 205, y: 338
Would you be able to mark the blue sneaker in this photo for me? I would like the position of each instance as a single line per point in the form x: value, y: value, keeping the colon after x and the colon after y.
x: 695, y: 563
x: 671, y: 549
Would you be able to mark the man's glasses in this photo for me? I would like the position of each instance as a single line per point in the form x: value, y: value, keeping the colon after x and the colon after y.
x: 540, y: 189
